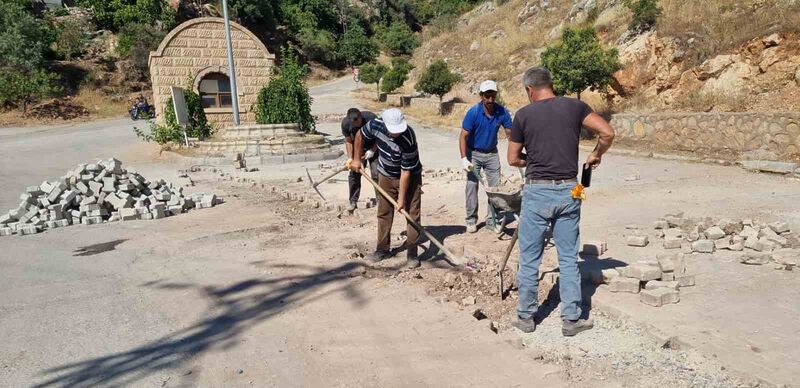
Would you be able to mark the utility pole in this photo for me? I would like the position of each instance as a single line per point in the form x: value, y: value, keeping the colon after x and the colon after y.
x: 231, y: 66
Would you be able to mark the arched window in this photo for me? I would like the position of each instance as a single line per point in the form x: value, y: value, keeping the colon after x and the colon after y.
x: 215, y: 91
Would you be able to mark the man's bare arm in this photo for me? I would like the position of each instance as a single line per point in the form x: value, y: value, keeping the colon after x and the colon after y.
x: 605, y: 137
x: 355, y: 165
x: 348, y: 145
x: 515, y: 158
x: 462, y: 143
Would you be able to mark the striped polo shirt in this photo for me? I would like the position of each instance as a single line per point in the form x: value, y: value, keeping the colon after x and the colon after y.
x: 394, y: 153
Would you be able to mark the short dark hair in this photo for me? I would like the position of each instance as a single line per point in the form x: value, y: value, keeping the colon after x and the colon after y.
x: 353, y: 113
x: 537, y: 78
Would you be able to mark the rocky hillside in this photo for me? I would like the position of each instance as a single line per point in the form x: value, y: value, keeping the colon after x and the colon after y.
x: 708, y: 55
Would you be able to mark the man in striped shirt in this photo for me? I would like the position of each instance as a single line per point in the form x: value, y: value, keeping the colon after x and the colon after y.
x: 399, y: 174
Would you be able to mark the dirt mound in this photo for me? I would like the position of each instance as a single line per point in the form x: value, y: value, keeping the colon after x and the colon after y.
x: 63, y: 109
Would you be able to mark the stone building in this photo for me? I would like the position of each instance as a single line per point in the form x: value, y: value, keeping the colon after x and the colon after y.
x: 194, y: 54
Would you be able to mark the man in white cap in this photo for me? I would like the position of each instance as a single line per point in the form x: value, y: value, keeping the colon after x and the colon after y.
x: 399, y: 174
x: 478, y: 147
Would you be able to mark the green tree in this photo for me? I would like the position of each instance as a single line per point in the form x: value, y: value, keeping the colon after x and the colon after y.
x: 645, y: 14
x: 24, y: 88
x: 285, y: 98
x: 437, y: 80
x: 135, y: 42
x: 397, y: 76
x: 397, y: 39
x: 24, y: 39
x: 578, y: 61
x: 319, y: 45
x: 372, y: 73
x: 356, y: 48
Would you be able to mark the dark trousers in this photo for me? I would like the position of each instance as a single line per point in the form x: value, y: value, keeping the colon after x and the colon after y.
x: 386, y: 212
x: 354, y: 180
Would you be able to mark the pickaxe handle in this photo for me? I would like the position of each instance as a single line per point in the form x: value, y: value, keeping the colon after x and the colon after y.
x: 503, y: 262
x: 329, y: 176
x: 451, y: 258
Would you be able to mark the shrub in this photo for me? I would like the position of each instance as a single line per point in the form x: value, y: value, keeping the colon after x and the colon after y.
x: 319, y: 45
x: 24, y: 88
x: 397, y: 39
x: 172, y: 132
x: 397, y: 76
x: 135, y: 43
x: 356, y: 48
x: 578, y: 61
x: 285, y: 98
x: 645, y: 14
x: 372, y: 74
x: 437, y: 80
x: 115, y: 14
x: 70, y: 39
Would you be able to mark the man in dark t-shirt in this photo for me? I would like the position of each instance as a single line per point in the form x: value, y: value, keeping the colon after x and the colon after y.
x: 549, y: 130
x: 351, y: 124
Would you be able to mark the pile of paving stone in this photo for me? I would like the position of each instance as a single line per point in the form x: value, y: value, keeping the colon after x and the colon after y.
x: 657, y: 282
x: 96, y: 193
x: 757, y: 242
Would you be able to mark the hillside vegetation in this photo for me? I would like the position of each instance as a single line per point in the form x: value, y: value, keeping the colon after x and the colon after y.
x: 708, y: 55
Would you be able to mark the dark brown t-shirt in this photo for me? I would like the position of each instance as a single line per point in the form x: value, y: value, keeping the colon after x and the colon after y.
x: 550, y: 130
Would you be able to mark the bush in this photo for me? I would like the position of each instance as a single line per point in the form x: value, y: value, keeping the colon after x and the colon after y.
x: 285, y: 98
x: 70, y: 39
x: 437, y: 80
x: 116, y: 14
x: 372, y: 74
x: 645, y: 14
x: 172, y: 132
x: 578, y: 61
x: 397, y: 76
x: 356, y: 48
x: 397, y: 39
x: 24, y: 88
x: 135, y: 43
x: 23, y: 38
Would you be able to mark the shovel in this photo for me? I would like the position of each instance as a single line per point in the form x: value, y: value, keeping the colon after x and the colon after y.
x: 450, y: 257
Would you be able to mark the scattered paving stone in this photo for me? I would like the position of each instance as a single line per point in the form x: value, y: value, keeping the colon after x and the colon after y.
x: 637, y: 241
x: 653, y: 284
x: 703, y: 246
x: 685, y: 280
x: 661, y: 224
x: 621, y: 284
x: 714, y: 233
x: 643, y: 272
x: 674, y: 243
x: 673, y: 233
x: 779, y: 227
x: 753, y: 258
x: 659, y: 297
x: 786, y: 256
x: 594, y: 248
x: 730, y: 226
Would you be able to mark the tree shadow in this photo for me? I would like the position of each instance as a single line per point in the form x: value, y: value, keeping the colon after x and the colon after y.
x: 96, y: 249
x: 236, y: 308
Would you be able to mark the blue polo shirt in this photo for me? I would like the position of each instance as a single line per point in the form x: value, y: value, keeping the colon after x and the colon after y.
x: 482, y: 128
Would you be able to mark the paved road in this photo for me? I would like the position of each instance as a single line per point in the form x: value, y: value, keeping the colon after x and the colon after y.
x: 31, y: 155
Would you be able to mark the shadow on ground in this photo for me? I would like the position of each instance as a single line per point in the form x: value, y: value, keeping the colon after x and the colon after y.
x: 236, y: 308
x: 96, y: 249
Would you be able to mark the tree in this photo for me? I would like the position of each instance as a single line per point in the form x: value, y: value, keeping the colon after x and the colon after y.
x: 397, y: 39
x: 372, y: 74
x: 285, y: 98
x: 356, y: 48
x: 578, y: 61
x: 645, y: 14
x: 70, y: 39
x: 437, y: 80
x: 24, y: 88
x: 115, y: 14
x: 23, y: 38
x: 397, y: 76
x: 319, y: 45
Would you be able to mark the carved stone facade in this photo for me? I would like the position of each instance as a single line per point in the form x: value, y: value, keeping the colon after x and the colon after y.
x: 196, y: 49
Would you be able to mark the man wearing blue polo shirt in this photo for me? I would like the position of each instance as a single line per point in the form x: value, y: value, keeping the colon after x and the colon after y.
x: 478, y: 146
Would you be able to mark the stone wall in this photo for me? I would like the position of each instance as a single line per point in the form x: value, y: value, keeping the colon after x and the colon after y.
x: 727, y: 133
x: 198, y: 47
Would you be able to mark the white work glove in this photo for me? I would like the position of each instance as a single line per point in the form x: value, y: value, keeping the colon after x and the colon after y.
x: 368, y: 155
x: 466, y: 164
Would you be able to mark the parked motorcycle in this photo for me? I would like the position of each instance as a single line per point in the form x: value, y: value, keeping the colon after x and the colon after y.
x: 141, y: 109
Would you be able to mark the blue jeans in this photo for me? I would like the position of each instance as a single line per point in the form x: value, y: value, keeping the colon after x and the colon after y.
x: 544, y: 205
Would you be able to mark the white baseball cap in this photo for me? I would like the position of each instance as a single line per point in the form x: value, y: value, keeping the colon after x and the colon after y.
x: 488, y: 85
x: 394, y: 120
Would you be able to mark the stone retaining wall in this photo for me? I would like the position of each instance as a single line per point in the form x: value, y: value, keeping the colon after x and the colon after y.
x: 732, y: 133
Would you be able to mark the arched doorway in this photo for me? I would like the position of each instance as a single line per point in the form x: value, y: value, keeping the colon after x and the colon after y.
x: 215, y: 91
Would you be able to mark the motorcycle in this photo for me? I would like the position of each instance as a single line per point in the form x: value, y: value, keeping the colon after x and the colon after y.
x: 142, y: 110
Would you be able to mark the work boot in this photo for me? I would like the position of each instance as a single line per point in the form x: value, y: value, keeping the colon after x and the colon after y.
x: 377, y: 256
x: 525, y: 325
x: 570, y: 328
x: 413, y: 262
x: 472, y: 228
x: 352, y: 207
